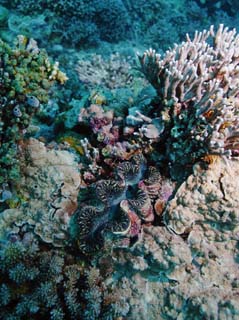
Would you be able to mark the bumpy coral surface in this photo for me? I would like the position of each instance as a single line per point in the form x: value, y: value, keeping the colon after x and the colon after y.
x: 207, y: 199
x: 49, y: 284
x: 77, y: 22
x: 114, y: 72
x: 188, y: 268
x: 97, y: 229
x: 26, y: 76
x: 49, y: 190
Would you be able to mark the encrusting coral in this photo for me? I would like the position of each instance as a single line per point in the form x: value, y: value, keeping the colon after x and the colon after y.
x: 197, y: 86
x: 75, y: 22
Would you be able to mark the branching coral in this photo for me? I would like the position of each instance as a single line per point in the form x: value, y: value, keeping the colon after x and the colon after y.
x: 122, y: 197
x: 31, y: 279
x: 197, y: 85
x: 42, y: 283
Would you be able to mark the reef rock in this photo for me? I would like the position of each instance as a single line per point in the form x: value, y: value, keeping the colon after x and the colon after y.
x: 188, y: 268
x: 49, y: 190
x: 210, y: 199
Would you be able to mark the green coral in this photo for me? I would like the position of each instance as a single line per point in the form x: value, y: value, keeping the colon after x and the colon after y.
x: 29, y: 281
x: 38, y: 282
x: 26, y: 76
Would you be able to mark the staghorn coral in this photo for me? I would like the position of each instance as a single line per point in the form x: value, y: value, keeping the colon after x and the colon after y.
x: 197, y: 88
x: 162, y: 275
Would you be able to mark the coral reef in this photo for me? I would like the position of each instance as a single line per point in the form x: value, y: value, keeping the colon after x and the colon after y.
x: 87, y: 23
x: 41, y: 276
x: 26, y: 76
x: 39, y: 282
x: 119, y: 192
x: 90, y: 223
x: 48, y: 192
x: 115, y: 72
x: 188, y: 269
x: 197, y: 89
x: 80, y: 22
x: 122, y: 204
x: 226, y: 5
x: 209, y: 199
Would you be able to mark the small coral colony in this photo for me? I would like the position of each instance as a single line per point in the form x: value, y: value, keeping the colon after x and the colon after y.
x: 130, y: 161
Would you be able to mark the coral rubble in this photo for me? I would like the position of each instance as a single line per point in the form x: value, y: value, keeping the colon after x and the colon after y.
x: 112, y: 73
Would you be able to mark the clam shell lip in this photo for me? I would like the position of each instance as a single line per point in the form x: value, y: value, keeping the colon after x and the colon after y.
x: 123, y: 232
x: 109, y: 190
x: 122, y: 225
x: 148, y: 218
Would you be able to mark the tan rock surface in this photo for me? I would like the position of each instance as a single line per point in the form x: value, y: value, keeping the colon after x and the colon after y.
x: 189, y: 268
x: 50, y: 185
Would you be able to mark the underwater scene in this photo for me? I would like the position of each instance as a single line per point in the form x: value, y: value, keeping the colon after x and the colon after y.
x: 119, y: 160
